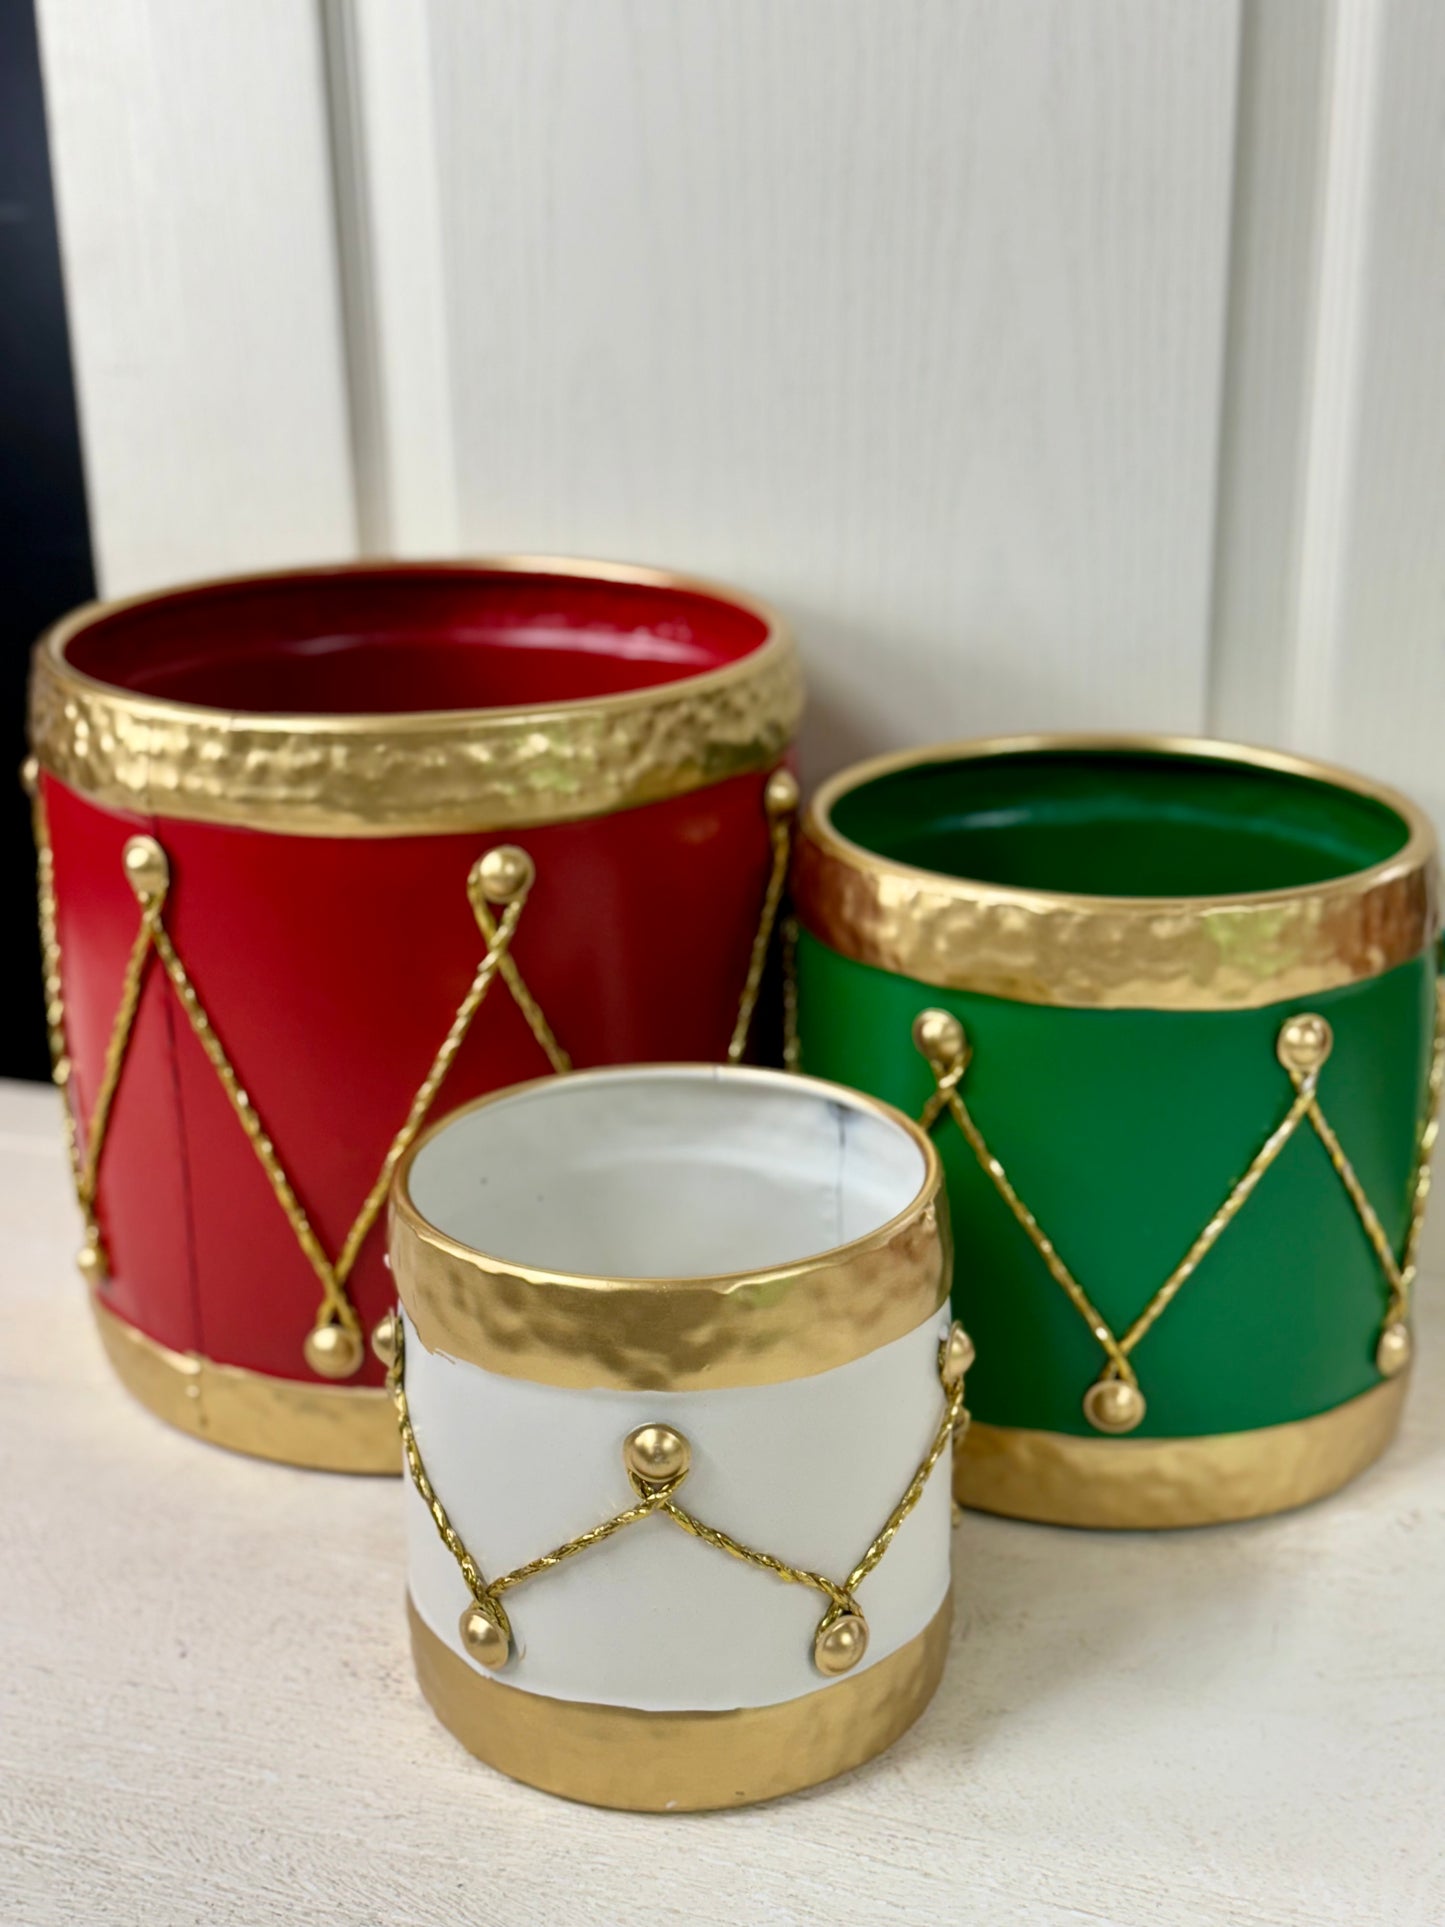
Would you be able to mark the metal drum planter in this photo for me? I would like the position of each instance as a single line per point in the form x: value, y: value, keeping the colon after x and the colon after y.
x: 1167, y: 1008
x: 321, y: 848
x: 674, y: 1374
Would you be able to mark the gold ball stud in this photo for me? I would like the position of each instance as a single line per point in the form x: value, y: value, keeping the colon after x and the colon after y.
x: 840, y: 1643
x: 939, y: 1036
x: 146, y: 869
x: 656, y: 1455
x: 1392, y: 1354
x: 90, y: 1261
x: 30, y: 776
x: 1114, y: 1405
x: 383, y: 1339
x: 1304, y: 1043
x: 483, y: 1638
x: 958, y: 1355
x: 333, y: 1351
x: 504, y: 874
x: 781, y: 793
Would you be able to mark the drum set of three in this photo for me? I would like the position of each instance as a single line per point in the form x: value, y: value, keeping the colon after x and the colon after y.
x: 414, y: 941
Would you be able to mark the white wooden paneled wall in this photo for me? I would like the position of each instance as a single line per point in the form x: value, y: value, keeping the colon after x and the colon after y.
x: 194, y: 194
x: 1050, y: 361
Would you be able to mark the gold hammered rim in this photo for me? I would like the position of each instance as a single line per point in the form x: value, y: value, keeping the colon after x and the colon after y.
x: 681, y: 1762
x: 316, y: 772
x: 755, y: 1327
x: 1218, y: 1478
x: 1236, y: 950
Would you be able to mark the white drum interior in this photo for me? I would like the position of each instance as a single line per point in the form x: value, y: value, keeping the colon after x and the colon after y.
x: 669, y: 1172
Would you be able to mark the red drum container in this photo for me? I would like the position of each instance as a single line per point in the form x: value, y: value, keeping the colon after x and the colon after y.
x: 319, y: 848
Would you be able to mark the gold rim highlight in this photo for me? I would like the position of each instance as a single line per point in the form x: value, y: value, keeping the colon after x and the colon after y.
x: 619, y: 1756
x: 422, y: 772
x: 1056, y: 1479
x: 326, y: 1428
x: 1116, y: 953
x: 669, y: 1334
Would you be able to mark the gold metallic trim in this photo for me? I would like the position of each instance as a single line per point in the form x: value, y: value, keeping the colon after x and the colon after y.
x: 657, y: 1461
x: 1116, y: 953
x: 792, y: 1046
x: 329, y: 1428
x: 780, y: 802
x: 1065, y: 1481
x: 1114, y: 1402
x: 82, y: 1157
x: 649, y: 1762
x: 334, y: 1348
x: 407, y: 774
x: 670, y: 1334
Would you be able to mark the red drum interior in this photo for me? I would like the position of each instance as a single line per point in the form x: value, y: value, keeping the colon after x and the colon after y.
x: 353, y: 642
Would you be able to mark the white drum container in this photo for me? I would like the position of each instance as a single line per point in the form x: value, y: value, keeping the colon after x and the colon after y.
x: 674, y: 1372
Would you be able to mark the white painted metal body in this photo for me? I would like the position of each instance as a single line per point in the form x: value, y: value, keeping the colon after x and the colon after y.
x: 676, y: 1172
x: 807, y: 1470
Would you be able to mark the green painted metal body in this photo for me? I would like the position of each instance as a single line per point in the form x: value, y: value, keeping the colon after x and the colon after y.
x: 1124, y: 1130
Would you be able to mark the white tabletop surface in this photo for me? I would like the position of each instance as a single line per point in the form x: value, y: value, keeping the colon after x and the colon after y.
x: 207, y: 1713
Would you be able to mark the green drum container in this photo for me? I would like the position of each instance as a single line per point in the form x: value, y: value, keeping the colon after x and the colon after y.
x: 1170, y: 1010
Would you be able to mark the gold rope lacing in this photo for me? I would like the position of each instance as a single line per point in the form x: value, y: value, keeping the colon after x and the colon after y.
x: 148, y: 872
x: 503, y: 878
x: 334, y: 1347
x: 780, y: 801
x: 792, y: 1046
x: 1114, y: 1403
x: 657, y: 1461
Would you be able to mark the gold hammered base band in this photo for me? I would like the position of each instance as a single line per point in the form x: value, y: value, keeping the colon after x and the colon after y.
x: 326, y: 1428
x: 1148, y: 1483
x: 649, y: 1762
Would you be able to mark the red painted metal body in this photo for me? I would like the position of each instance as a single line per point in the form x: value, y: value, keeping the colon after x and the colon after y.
x: 332, y: 966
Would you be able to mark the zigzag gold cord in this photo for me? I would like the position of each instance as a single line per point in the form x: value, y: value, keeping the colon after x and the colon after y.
x: 1420, y: 1197
x: 396, y: 1384
x: 83, y: 1149
x: 505, y: 859
x: 954, y: 1422
x: 765, y: 1561
x: 336, y: 1308
x: 499, y: 939
x: 335, y: 1297
x: 1400, y: 1275
x: 657, y: 1498
x: 780, y: 799
x: 512, y: 977
x: 507, y: 872
x: 131, y: 985
x: 792, y: 1049
x: 1115, y: 1403
x: 948, y: 1064
x: 54, y: 994
x: 1364, y: 1210
x: 653, y: 1502
x: 1263, y: 1158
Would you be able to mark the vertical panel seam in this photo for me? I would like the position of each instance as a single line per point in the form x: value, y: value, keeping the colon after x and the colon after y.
x: 1332, y: 406
x: 356, y: 268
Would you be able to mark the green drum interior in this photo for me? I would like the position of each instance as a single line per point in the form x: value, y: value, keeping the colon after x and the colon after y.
x: 1123, y: 823
x: 1125, y: 1130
